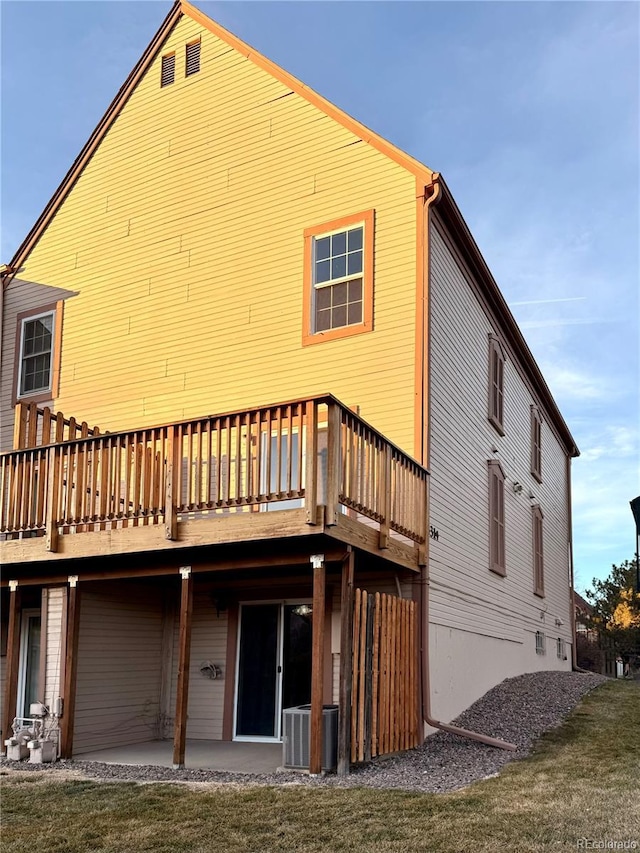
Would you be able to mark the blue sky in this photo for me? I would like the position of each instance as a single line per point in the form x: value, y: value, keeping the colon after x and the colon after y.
x: 530, y: 110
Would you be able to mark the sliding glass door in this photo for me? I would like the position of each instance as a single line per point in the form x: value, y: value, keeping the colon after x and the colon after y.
x: 274, y: 667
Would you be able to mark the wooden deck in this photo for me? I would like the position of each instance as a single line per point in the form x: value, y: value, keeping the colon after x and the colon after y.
x: 290, y: 470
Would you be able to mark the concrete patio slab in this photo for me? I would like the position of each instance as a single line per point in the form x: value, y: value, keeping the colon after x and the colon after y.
x: 230, y: 757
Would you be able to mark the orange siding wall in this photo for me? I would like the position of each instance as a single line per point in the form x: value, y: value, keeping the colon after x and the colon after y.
x: 183, y: 239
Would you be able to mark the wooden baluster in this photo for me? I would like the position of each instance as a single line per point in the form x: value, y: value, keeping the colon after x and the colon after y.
x: 170, y: 498
x: 118, y: 504
x: 137, y: 479
x: 268, y: 455
x: 278, y: 460
x: 248, y: 457
x: 46, y: 425
x: 219, y: 446
x: 32, y: 426
x: 299, y: 481
x: 19, y: 492
x: 104, y: 481
x: 259, y: 456
x: 59, y: 436
x: 289, y: 421
x: 238, y: 460
x: 210, y: 461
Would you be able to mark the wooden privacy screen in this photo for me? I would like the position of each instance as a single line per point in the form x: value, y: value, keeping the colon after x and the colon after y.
x: 384, y: 697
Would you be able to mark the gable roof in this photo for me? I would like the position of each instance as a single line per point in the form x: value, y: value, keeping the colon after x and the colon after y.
x: 432, y: 181
x: 180, y: 8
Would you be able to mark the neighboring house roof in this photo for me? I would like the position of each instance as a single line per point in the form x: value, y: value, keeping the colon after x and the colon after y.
x: 427, y: 181
x: 581, y: 604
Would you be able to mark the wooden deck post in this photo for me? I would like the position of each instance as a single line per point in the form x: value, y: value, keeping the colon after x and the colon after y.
x: 346, y: 664
x: 317, y: 664
x: 334, y: 464
x: 311, y: 464
x: 184, y: 658
x: 19, y: 427
x: 70, y: 669
x: 53, y: 492
x: 13, y: 658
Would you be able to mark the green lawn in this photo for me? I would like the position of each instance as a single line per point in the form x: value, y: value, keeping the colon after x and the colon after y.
x: 582, y: 782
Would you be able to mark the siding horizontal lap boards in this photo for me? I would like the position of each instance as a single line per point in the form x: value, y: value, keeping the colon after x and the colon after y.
x: 312, y: 177
x: 465, y: 597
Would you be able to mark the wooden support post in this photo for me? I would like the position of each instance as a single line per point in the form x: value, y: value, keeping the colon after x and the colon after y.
x: 12, y: 663
x: 311, y: 464
x: 334, y: 466
x: 184, y: 658
x: 346, y: 664
x: 170, y: 514
x: 317, y: 664
x: 70, y: 669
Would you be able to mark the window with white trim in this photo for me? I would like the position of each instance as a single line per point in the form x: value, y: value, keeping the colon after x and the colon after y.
x: 29, y: 663
x: 338, y: 266
x: 497, y: 561
x: 36, y: 354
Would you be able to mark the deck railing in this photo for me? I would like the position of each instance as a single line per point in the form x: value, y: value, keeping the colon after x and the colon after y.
x: 312, y: 453
x: 35, y: 427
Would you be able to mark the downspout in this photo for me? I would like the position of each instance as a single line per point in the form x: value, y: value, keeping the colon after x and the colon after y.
x: 572, y: 604
x: 6, y: 274
x: 433, y: 194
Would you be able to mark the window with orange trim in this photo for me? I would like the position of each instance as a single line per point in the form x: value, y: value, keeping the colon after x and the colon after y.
x: 338, y: 278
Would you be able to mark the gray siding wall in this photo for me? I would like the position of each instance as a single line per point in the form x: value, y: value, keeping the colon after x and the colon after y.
x: 497, y: 616
x: 119, y: 666
x: 208, y: 643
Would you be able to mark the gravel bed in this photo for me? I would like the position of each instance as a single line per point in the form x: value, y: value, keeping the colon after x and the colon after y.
x: 518, y: 710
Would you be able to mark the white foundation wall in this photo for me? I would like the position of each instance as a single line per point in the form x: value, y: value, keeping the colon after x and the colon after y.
x: 464, y: 665
x: 119, y: 665
x: 483, y: 625
x: 208, y: 644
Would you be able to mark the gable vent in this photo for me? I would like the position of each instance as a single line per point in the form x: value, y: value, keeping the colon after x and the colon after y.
x: 168, y: 69
x: 193, y: 58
